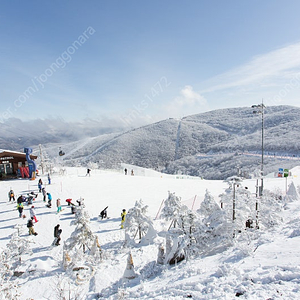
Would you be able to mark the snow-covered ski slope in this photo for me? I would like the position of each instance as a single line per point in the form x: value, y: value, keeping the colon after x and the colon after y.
x: 263, y: 268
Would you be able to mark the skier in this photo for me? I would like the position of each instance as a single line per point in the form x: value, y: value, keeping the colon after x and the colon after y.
x: 40, y: 185
x: 57, y: 233
x: 49, y: 200
x: 125, y: 170
x: 132, y: 174
x: 32, y: 214
x: 49, y: 178
x: 30, y: 227
x: 88, y: 172
x: 44, y: 194
x: 123, y: 216
x: 103, y: 213
x: 58, y: 204
x: 20, y: 208
x: 11, y: 195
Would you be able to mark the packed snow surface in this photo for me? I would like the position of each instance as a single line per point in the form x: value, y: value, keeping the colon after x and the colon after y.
x: 266, y: 266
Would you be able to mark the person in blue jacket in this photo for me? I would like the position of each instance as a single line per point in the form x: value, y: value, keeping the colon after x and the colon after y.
x: 49, y: 199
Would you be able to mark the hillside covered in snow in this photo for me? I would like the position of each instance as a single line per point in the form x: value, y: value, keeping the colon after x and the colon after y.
x: 213, y: 145
x: 182, y: 218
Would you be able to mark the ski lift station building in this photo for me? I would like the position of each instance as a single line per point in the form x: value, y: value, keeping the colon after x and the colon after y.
x: 13, y: 163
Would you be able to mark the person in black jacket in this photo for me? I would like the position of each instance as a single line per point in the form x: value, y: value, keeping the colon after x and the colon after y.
x: 30, y: 227
x: 57, y: 233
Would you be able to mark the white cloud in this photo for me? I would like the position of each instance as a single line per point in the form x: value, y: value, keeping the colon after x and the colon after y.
x: 266, y: 69
x: 189, y: 102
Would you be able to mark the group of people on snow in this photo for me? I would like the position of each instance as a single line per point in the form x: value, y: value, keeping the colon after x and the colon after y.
x: 32, y: 196
x: 132, y: 172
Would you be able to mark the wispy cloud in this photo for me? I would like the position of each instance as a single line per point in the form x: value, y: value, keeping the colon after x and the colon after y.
x: 262, y: 71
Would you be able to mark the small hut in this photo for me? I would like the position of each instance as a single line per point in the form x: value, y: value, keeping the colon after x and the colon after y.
x: 13, y: 164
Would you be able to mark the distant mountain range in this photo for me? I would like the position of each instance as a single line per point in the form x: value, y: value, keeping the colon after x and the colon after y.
x: 214, y: 145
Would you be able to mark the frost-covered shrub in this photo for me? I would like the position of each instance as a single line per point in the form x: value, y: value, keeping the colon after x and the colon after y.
x: 82, y: 245
x: 138, y: 225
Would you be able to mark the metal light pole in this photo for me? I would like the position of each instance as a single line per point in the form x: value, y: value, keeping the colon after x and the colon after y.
x: 259, y: 109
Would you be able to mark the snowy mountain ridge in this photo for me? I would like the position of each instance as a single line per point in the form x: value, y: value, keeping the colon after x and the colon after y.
x: 213, y: 145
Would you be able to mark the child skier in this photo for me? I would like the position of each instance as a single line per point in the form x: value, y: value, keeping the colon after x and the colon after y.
x: 123, y: 216
x: 11, y: 195
x: 30, y: 227
x: 32, y: 214
x: 58, y: 204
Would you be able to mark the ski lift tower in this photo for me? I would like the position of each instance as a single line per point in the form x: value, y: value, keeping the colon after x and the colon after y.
x: 259, y: 109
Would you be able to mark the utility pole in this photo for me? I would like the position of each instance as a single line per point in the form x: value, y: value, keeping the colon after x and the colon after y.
x: 259, y: 109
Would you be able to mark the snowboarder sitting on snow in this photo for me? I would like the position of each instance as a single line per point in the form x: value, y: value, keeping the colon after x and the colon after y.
x: 30, y: 197
x: 11, y: 195
x: 57, y: 233
x: 30, y: 227
x: 123, y: 216
x: 103, y: 213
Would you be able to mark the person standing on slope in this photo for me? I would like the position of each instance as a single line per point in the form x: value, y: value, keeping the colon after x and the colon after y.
x: 32, y: 214
x: 11, y: 195
x: 49, y: 199
x: 30, y: 227
x: 57, y: 233
x: 123, y: 216
x: 44, y: 194
x: 58, y: 204
x: 40, y: 185
x: 20, y: 208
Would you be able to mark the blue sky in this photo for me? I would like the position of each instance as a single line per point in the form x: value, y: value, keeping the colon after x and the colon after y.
x: 137, y: 62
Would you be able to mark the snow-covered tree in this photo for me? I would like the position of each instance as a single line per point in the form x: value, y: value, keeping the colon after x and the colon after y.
x: 208, y: 205
x: 129, y: 272
x: 138, y: 224
x: 80, y: 245
x: 180, y: 238
x: 8, y: 288
x: 172, y: 207
x: 18, y: 246
x: 292, y: 193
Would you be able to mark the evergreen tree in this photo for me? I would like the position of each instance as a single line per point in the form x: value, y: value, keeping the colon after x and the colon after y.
x: 172, y: 207
x: 138, y: 224
x: 82, y: 239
